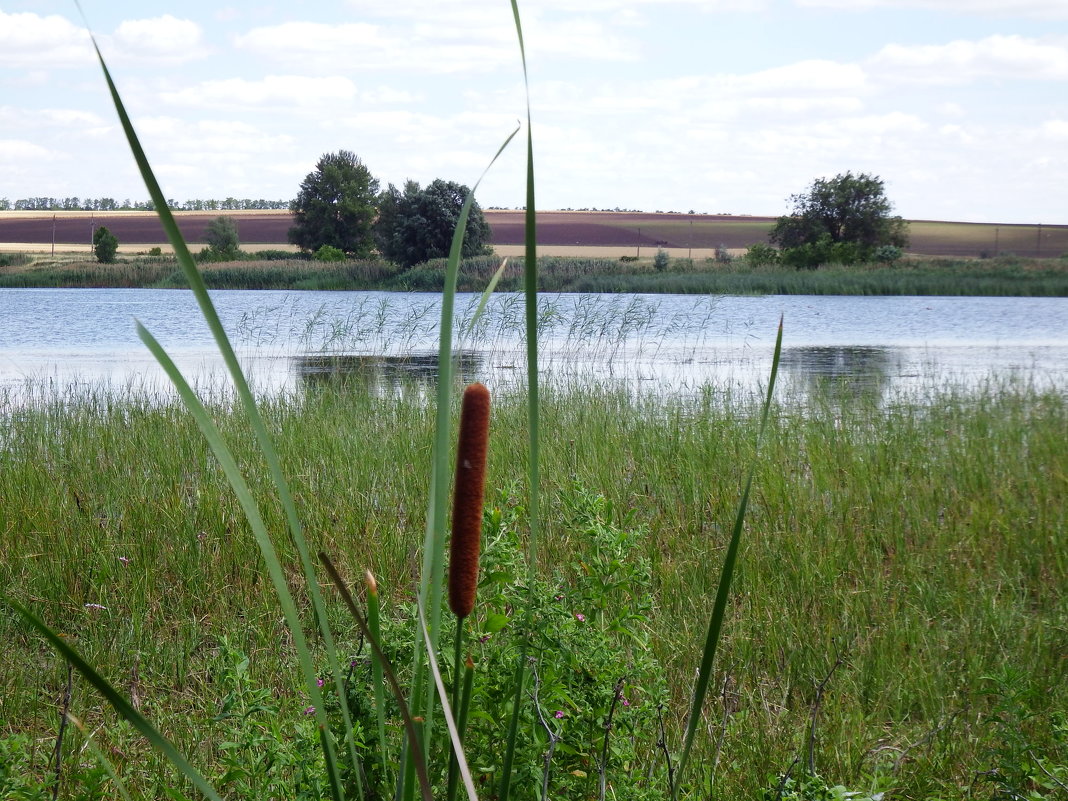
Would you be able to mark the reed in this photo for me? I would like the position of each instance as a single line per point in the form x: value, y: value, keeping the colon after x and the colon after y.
x: 923, y: 537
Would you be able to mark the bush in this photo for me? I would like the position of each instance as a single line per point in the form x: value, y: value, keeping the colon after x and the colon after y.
x: 761, y: 255
x: 661, y: 261
x: 221, y: 236
x: 887, y: 254
x: 277, y: 255
x: 723, y: 256
x: 328, y: 253
x: 156, y: 251
x: 105, y: 245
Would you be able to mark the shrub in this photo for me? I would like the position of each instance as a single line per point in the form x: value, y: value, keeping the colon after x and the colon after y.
x: 328, y: 253
x: 105, y: 245
x: 277, y: 255
x: 661, y: 261
x: 221, y: 236
x: 761, y: 255
x: 156, y: 251
x: 723, y: 256
x: 887, y: 254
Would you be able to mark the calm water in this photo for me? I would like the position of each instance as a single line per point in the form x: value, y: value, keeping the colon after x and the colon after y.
x: 65, y: 340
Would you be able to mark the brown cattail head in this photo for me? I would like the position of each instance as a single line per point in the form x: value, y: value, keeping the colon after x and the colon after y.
x: 467, y: 500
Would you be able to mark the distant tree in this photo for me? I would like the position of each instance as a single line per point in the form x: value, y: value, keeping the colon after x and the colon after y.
x: 105, y: 245
x: 416, y: 225
x: 661, y: 261
x: 336, y: 206
x: 5, y: 204
x: 221, y: 236
x: 841, y: 220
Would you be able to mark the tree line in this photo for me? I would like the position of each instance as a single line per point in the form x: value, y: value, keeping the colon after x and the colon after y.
x: 111, y: 204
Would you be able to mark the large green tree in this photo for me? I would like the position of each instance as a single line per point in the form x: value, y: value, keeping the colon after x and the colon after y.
x: 842, y: 219
x: 416, y: 224
x: 336, y: 206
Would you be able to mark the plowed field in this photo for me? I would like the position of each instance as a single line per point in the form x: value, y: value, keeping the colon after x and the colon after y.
x: 562, y: 232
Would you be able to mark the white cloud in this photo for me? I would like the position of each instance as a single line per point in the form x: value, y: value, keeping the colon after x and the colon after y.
x: 1054, y: 129
x: 426, y: 9
x: 165, y: 39
x: 76, y: 119
x: 803, y: 106
x: 272, y: 91
x: 448, y: 45
x: 31, y: 41
x: 1042, y: 9
x: 811, y: 77
x: 963, y: 61
x: 14, y: 152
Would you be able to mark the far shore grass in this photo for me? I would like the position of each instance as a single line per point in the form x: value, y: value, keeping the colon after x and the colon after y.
x: 1002, y: 276
x: 923, y: 543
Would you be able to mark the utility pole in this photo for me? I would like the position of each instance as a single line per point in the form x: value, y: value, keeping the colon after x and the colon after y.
x: 689, y: 249
x: 53, y: 234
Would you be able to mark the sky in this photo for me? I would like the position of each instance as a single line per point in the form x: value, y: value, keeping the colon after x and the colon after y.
x: 715, y: 106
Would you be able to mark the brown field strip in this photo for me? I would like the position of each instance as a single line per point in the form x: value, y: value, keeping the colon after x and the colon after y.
x: 576, y: 233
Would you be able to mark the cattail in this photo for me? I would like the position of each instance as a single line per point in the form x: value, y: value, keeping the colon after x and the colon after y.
x: 467, y: 500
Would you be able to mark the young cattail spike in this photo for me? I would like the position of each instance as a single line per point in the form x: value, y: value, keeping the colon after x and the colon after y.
x: 467, y: 500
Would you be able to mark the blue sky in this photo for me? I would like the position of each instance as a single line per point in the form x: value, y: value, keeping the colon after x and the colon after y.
x: 961, y: 106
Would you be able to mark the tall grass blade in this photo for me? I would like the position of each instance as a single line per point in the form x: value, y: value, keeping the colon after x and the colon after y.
x: 491, y: 287
x: 101, y: 758
x: 431, y: 585
x: 530, y: 287
x: 259, y: 530
x: 450, y: 722
x: 120, y: 704
x: 719, y: 608
x: 374, y: 626
x: 211, y: 317
x: 387, y: 669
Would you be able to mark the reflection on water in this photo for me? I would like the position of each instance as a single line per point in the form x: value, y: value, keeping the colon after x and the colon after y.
x: 79, y: 340
x: 385, y: 375
x: 841, y: 371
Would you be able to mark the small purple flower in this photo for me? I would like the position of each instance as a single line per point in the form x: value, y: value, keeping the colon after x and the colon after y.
x: 581, y: 618
x: 558, y: 597
x: 124, y: 559
x: 319, y: 682
x: 352, y: 664
x: 484, y: 638
x: 559, y: 714
x: 625, y: 701
x: 309, y: 710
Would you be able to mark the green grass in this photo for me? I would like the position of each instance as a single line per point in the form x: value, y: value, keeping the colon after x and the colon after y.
x: 924, y: 542
x: 1005, y: 276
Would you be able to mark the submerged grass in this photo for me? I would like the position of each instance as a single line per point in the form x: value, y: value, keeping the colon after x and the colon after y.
x: 923, y: 542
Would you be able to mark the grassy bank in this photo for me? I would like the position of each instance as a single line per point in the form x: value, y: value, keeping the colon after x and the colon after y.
x: 1006, y: 276
x: 919, y: 549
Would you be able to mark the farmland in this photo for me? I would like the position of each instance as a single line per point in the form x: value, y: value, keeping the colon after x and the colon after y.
x: 560, y: 233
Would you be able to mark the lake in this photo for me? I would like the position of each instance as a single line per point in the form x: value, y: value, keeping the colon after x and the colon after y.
x: 62, y: 341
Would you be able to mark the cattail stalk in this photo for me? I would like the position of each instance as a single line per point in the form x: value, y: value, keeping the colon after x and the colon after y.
x: 467, y: 499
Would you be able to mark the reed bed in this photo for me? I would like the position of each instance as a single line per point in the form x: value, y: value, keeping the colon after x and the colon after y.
x: 920, y: 543
x: 994, y: 277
